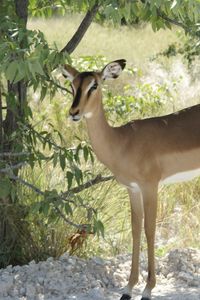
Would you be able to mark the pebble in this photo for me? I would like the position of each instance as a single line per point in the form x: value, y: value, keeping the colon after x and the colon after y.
x: 73, y: 278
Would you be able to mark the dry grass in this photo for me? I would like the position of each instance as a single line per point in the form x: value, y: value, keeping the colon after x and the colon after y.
x: 135, y: 45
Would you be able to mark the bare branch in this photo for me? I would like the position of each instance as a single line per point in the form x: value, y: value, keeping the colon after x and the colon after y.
x: 14, y: 154
x: 59, y: 86
x: 77, y: 37
x: 13, y: 167
x: 98, y: 179
x: 29, y: 185
x: 63, y: 196
x: 66, y: 219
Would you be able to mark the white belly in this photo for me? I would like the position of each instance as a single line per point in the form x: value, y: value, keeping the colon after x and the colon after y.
x: 180, y: 177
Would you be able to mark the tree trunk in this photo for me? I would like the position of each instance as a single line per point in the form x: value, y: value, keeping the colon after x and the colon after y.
x: 9, y: 241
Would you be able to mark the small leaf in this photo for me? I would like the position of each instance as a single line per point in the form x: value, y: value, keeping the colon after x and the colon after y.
x: 62, y: 161
x: 55, y: 159
x: 85, y: 153
x: 68, y: 209
x: 70, y: 177
x: 11, y: 70
x: 43, y: 92
x: 78, y: 175
x: 44, y: 208
x: 99, y: 228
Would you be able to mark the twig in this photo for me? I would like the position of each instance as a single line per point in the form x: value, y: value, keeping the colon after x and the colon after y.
x: 14, y: 154
x: 66, y: 219
x: 14, y: 167
x: 98, y: 179
x: 60, y: 86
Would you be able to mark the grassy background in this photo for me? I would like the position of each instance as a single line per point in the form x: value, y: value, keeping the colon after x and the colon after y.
x: 134, y: 44
x: 168, y: 81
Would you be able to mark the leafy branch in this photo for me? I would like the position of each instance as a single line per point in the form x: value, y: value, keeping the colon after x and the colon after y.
x: 66, y: 196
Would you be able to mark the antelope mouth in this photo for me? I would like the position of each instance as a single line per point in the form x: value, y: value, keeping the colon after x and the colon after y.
x: 75, y: 118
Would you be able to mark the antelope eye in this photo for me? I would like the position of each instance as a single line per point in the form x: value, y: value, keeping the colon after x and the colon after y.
x: 94, y: 87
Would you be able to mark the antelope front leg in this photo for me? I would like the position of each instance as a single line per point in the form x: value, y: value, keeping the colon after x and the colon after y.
x: 150, y: 209
x: 136, y: 220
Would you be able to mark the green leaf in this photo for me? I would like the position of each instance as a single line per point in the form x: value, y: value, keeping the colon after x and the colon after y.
x: 78, y: 175
x: 11, y: 71
x: 70, y: 177
x: 62, y: 161
x: 37, y: 68
x: 35, y: 208
x: 99, y: 228
x: 85, y: 153
x: 44, y: 208
x: 68, y: 209
x: 43, y: 92
x: 55, y: 159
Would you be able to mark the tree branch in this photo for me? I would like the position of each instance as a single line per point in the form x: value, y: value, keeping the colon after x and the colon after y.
x: 166, y: 18
x: 13, y: 167
x: 172, y: 21
x: 63, y: 196
x: 14, y: 154
x: 60, y: 86
x: 66, y: 219
x: 77, y: 37
x: 98, y: 179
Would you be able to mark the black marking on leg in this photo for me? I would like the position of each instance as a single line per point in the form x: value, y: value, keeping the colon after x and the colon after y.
x: 125, y: 297
x: 145, y: 298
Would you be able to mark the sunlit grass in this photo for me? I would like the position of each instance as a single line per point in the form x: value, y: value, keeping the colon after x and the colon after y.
x: 134, y: 44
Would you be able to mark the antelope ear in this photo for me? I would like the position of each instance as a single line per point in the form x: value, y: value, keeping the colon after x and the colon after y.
x: 113, y: 69
x: 69, y: 72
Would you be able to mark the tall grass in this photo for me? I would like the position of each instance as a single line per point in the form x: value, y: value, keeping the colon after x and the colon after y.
x: 134, y: 44
x: 174, y: 86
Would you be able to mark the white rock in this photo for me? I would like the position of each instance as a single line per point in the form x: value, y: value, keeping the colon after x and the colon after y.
x: 185, y: 276
x: 41, y: 280
x: 96, y: 293
x: 30, y: 290
x: 64, y: 257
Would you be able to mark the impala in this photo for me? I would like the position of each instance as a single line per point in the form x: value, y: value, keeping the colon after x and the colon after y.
x: 141, y: 154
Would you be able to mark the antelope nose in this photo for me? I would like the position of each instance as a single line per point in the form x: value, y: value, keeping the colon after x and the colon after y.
x: 74, y: 114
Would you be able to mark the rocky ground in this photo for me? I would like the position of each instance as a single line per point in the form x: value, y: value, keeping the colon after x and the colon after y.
x: 178, y: 277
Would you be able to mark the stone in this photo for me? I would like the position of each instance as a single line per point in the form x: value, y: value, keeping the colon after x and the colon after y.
x: 96, y: 293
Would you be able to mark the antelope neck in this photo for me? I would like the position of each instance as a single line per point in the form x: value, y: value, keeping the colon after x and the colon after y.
x: 102, y: 136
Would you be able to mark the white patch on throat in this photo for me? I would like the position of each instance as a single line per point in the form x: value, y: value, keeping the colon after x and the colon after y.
x: 182, y: 176
x: 88, y: 115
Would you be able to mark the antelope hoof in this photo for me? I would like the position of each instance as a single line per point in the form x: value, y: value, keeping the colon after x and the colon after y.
x: 125, y: 297
x: 145, y: 298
